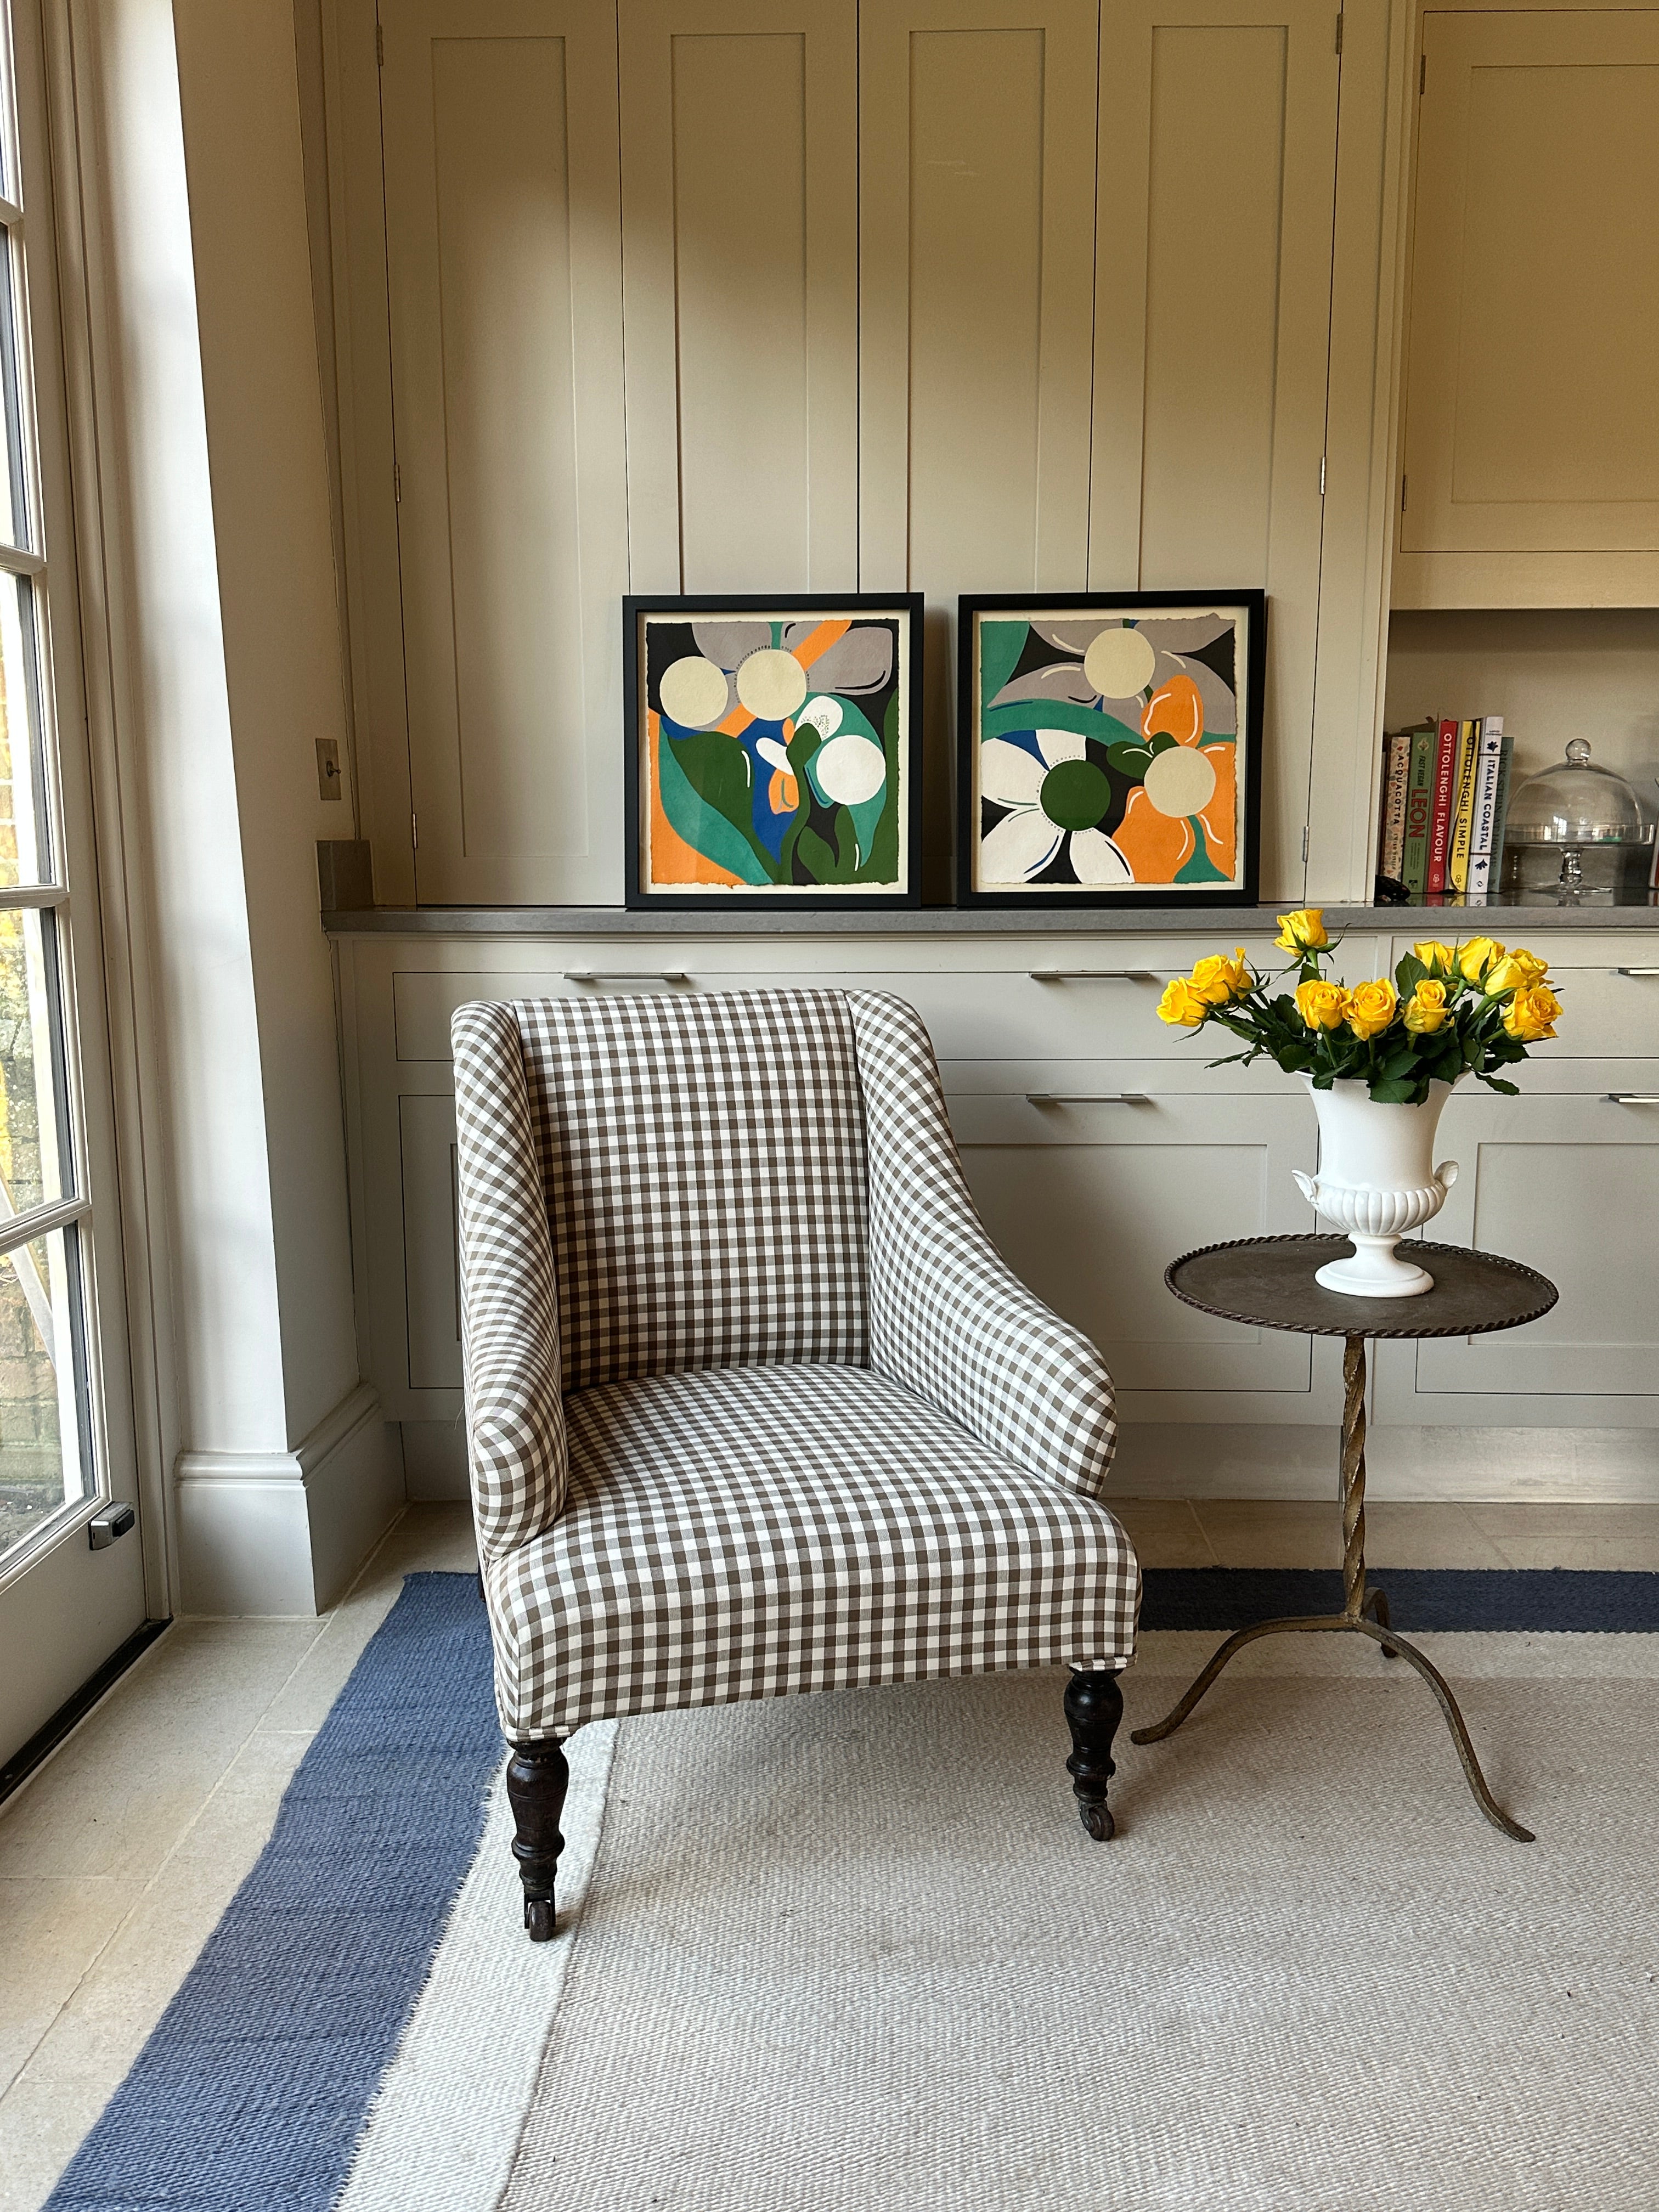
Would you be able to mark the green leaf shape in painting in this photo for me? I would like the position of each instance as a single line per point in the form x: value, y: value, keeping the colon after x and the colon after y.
x: 1161, y: 743
x: 1000, y: 645
x: 706, y: 778
x: 1201, y: 869
x: 816, y: 857
x: 879, y: 840
x: 1058, y: 714
x: 1130, y: 760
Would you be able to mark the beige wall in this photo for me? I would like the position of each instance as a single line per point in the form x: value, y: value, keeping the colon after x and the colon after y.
x: 210, y: 501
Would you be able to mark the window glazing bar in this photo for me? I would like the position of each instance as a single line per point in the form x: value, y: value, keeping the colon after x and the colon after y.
x: 32, y: 894
x: 41, y: 1221
x: 16, y: 562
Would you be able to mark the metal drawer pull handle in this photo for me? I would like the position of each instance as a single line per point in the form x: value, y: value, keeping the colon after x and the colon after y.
x: 1087, y: 1098
x: 625, y: 976
x: 1635, y: 971
x: 1093, y: 974
x: 1633, y: 1098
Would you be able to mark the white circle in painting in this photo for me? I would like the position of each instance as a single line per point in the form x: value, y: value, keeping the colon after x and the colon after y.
x: 1180, y: 780
x: 1120, y: 663
x: 693, y: 692
x: 849, y: 770
x: 824, y: 715
x: 771, y: 683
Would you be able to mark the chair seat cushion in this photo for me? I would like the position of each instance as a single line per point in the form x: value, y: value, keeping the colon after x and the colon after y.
x: 747, y: 1532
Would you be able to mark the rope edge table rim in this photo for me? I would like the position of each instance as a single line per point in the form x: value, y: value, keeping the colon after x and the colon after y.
x: 1315, y: 1329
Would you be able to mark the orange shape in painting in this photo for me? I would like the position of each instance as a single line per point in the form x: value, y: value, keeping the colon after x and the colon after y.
x: 1175, y: 710
x: 1155, y: 845
x: 783, y: 792
x: 672, y: 860
x: 1220, y: 817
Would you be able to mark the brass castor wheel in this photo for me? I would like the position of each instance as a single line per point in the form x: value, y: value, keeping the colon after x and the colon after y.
x: 1097, y: 1820
x: 539, y: 1919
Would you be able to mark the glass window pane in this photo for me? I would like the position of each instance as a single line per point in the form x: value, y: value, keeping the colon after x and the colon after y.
x: 14, y: 513
x: 31, y: 1135
x: 24, y: 858
x: 42, y: 1463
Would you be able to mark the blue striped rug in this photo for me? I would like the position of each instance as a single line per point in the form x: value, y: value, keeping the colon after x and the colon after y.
x: 254, y: 2090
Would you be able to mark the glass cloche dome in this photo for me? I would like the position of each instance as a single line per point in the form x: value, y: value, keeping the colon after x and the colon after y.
x: 1576, y: 829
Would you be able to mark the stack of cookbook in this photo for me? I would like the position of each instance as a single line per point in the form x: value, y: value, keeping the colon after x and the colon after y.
x: 1445, y: 788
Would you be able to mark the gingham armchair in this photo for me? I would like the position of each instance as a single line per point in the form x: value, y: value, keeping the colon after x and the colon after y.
x: 753, y: 1405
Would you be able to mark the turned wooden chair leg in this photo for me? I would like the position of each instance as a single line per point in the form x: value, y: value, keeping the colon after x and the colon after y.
x: 537, y: 1778
x: 1094, y: 1707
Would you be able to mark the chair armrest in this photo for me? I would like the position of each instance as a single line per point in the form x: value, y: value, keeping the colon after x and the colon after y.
x: 516, y: 1445
x: 949, y: 1318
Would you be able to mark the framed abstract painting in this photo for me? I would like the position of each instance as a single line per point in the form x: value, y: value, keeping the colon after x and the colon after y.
x: 1109, y: 749
x: 773, y: 751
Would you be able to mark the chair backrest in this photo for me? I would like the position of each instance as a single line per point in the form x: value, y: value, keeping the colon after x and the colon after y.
x: 703, y: 1158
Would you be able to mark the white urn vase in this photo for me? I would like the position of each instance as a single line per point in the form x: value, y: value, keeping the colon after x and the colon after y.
x: 1376, y: 1180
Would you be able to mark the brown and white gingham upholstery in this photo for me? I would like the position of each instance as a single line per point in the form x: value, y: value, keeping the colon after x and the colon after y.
x: 754, y: 1405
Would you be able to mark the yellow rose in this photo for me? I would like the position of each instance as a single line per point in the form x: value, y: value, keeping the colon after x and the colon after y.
x: 1439, y: 959
x: 1426, y: 1010
x: 1477, y: 956
x: 1530, y: 1015
x: 1181, y: 1005
x: 1218, y: 979
x: 1322, y: 1006
x: 1514, y: 969
x: 1303, y: 931
x: 1372, y: 1008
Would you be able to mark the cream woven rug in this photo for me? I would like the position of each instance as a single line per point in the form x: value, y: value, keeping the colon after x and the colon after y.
x: 852, y: 1951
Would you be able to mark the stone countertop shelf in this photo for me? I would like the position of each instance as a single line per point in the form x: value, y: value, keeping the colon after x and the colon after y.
x: 971, y: 921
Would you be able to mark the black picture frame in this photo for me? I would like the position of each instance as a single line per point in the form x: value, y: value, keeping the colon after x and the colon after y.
x: 641, y: 677
x: 1243, y: 889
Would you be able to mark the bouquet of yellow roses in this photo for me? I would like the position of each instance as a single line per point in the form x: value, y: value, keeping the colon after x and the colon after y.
x: 1452, y: 1010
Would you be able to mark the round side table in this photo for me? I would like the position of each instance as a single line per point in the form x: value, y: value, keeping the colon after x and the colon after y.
x: 1268, y: 1283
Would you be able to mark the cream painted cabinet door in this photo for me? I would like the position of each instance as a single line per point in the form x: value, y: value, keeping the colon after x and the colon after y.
x: 1216, y: 185
x: 1088, y: 1199
x: 1530, y: 422
x: 1571, y: 1186
x: 976, y: 154
x: 740, y: 122
x: 502, y: 214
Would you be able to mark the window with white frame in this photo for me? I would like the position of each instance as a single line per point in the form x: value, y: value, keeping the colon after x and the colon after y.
x: 46, y: 1458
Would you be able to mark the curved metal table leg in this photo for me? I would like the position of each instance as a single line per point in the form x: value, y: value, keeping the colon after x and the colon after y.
x: 1359, y: 1605
x: 1235, y: 1643
x: 1376, y: 1605
x: 1437, y: 1681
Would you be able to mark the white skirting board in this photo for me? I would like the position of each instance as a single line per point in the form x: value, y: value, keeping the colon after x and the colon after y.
x: 283, y: 1533
x: 1586, y: 1467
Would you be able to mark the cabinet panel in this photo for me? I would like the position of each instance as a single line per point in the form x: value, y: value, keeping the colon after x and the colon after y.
x: 1534, y: 312
x: 1549, y: 1181
x: 431, y: 1274
x: 740, y: 251
x: 1217, y: 171
x: 977, y: 157
x: 504, y: 280
x: 1089, y: 1202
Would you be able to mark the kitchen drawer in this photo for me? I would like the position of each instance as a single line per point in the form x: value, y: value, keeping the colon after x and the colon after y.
x: 1083, y: 1004
x: 1609, y: 991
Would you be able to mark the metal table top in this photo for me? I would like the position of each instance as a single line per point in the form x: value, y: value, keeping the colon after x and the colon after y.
x: 1268, y: 1282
